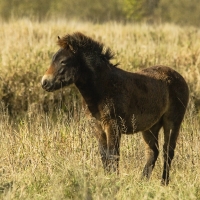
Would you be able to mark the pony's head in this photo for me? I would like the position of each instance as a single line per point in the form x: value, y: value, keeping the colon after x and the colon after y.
x: 64, y: 66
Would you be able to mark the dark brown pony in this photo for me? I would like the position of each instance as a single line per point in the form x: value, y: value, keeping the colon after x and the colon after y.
x: 120, y: 101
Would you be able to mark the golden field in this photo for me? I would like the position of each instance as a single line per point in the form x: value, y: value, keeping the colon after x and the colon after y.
x: 47, y: 148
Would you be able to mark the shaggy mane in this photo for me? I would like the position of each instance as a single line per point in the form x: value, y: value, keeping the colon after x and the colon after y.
x: 80, y: 42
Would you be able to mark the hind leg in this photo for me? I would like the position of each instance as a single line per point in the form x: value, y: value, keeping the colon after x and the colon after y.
x: 152, y: 150
x: 171, y: 132
x: 171, y: 135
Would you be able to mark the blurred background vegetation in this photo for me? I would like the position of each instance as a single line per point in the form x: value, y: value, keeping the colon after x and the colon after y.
x: 183, y: 12
x: 21, y: 90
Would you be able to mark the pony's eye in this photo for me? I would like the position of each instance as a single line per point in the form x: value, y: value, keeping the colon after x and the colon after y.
x: 63, y: 62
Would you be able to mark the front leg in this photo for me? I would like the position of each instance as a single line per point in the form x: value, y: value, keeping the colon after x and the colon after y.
x: 113, y: 137
x: 102, y: 140
x: 108, y: 137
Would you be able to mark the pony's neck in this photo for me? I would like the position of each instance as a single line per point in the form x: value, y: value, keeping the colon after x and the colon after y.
x: 90, y: 93
x: 93, y: 80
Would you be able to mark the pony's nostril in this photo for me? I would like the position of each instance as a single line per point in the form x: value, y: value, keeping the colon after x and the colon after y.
x: 44, y: 82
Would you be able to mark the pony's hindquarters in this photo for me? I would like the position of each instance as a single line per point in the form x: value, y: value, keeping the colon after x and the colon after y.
x: 171, y: 119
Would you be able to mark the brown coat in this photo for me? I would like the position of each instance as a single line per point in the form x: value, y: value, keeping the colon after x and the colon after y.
x: 121, y: 102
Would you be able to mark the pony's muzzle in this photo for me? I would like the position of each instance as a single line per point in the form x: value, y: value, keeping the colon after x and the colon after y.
x: 47, y: 82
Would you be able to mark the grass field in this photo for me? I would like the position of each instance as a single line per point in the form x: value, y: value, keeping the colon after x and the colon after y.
x: 47, y: 148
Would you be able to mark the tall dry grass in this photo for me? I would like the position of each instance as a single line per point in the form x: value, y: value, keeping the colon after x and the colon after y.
x: 54, y: 155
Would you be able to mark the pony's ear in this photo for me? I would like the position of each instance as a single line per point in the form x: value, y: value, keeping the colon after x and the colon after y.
x: 72, y: 43
x: 58, y: 37
x: 68, y: 42
x: 72, y: 48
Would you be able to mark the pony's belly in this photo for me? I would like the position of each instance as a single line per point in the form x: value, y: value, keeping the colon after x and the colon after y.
x: 142, y: 123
